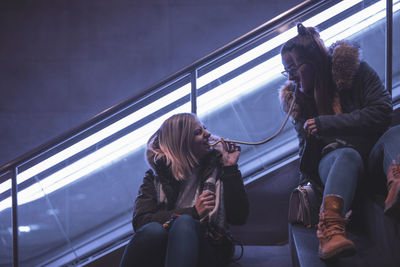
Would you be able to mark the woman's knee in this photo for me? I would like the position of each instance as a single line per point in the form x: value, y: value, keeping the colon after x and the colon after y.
x: 350, y: 155
x: 152, y: 231
x: 185, y: 223
x: 147, y: 246
x: 391, y: 134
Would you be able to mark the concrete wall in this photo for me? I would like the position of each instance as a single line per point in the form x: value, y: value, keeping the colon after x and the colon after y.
x: 64, y: 61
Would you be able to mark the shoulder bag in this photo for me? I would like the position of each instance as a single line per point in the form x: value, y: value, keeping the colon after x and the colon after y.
x: 304, y: 205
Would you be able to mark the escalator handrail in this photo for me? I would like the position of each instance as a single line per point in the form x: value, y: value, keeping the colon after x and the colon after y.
x: 235, y: 44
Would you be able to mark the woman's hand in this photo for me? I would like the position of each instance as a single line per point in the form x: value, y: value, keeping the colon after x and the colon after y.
x: 205, y: 203
x: 230, y: 152
x: 310, y: 127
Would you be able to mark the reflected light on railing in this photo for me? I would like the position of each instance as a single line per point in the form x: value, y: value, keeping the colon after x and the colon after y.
x: 242, y: 84
x: 6, y: 185
x: 270, y: 69
x: 92, y: 162
x: 364, y: 19
x: 273, y: 43
x: 104, y: 133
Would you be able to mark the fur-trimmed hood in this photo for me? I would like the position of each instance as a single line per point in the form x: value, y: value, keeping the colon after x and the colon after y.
x: 345, y: 62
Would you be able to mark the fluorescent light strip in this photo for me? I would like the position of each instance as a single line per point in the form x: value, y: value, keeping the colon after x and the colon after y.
x: 5, y: 186
x: 270, y: 69
x: 259, y: 72
x: 100, y: 158
x: 238, y: 86
x: 357, y: 18
x: 273, y: 43
x: 100, y: 135
x: 371, y: 16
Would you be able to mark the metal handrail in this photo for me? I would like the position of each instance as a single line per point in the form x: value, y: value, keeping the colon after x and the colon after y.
x: 235, y: 44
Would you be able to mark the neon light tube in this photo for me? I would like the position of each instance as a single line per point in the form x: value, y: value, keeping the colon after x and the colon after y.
x: 270, y: 69
x: 102, y: 134
x: 273, y: 43
x: 92, y: 162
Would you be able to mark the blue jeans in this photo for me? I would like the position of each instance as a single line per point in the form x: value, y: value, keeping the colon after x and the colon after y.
x: 183, y: 245
x: 339, y: 171
x: 385, y: 151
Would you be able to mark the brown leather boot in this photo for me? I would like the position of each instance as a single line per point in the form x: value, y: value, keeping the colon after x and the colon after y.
x: 332, y: 230
x: 392, y: 202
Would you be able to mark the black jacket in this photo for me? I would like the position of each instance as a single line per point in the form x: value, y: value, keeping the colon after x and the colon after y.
x: 148, y: 207
x: 365, y: 103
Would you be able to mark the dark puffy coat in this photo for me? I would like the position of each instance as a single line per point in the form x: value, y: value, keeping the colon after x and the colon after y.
x: 149, y: 208
x: 365, y: 103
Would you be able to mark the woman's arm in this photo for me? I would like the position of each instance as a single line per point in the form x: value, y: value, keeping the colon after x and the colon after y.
x: 147, y: 209
x: 373, y: 116
x: 235, y: 197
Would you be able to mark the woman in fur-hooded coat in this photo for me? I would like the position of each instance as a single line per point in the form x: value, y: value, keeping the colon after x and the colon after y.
x: 341, y: 109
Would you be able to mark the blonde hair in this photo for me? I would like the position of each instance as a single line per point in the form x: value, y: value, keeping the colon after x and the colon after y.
x: 173, y: 141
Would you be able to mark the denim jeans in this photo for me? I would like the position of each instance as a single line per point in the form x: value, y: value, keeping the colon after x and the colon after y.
x: 183, y: 245
x: 339, y: 171
x: 385, y: 151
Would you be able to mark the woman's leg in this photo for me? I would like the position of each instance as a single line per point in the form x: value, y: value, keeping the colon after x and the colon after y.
x: 147, y: 247
x: 339, y: 171
x: 385, y: 151
x: 186, y: 243
x: 385, y: 159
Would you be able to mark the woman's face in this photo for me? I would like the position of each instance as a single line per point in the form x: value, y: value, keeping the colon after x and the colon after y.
x: 299, y: 72
x: 200, y: 144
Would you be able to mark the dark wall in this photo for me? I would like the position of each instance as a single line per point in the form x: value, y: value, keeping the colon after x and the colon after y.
x: 62, y: 62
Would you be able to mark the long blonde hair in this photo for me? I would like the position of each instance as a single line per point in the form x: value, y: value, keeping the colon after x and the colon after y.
x: 174, y: 142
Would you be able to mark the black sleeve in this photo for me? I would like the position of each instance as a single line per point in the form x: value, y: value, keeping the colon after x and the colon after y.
x: 309, y: 154
x: 147, y: 209
x: 301, y: 134
x: 236, y: 202
x: 374, y: 115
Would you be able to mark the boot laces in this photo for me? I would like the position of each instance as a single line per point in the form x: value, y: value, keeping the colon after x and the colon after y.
x: 395, y: 168
x: 330, y: 226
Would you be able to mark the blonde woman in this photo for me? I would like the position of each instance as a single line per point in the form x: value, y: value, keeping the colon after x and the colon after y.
x: 187, y: 199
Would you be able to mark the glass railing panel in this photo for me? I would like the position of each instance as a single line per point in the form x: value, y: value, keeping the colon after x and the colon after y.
x: 6, y: 237
x: 238, y: 99
x: 87, y: 199
x: 42, y: 235
x: 371, y: 39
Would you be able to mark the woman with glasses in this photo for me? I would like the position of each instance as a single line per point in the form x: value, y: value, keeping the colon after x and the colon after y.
x: 341, y: 109
x: 187, y: 199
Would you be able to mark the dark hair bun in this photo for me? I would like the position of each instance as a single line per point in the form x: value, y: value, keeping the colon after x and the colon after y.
x: 301, y: 29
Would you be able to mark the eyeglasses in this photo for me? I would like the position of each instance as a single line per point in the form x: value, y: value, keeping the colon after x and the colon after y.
x: 292, y: 71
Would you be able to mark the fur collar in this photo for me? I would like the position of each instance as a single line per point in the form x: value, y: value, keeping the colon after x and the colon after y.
x: 345, y: 62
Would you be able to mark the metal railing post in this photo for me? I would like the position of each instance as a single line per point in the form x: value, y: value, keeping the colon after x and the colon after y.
x: 389, y: 44
x: 193, y: 93
x: 14, y: 193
